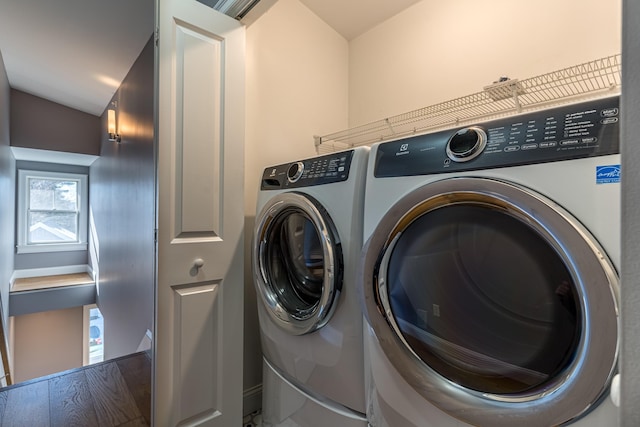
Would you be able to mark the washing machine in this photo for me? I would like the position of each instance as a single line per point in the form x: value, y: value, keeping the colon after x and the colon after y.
x: 489, y: 274
x: 306, y: 248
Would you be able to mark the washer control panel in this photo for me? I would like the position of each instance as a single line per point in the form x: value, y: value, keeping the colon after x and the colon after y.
x: 305, y: 173
x: 570, y: 132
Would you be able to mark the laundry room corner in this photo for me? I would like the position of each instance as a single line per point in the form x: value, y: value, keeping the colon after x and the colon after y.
x: 305, y: 79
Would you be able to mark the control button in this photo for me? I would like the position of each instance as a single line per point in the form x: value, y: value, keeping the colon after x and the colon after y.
x: 511, y: 148
x: 295, y: 171
x: 466, y: 144
x: 609, y: 112
x: 569, y: 142
x: 529, y: 146
x: 341, y: 169
x: 548, y: 144
x: 589, y: 140
x: 609, y: 120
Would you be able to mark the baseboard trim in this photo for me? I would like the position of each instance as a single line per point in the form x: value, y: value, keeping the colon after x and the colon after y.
x: 252, y: 399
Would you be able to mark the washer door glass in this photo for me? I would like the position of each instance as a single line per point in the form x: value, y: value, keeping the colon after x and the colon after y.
x: 295, y: 263
x: 483, y: 299
x: 298, y: 262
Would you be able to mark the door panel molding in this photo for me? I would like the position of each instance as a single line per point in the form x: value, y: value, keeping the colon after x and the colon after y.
x: 198, y: 98
x: 196, y: 309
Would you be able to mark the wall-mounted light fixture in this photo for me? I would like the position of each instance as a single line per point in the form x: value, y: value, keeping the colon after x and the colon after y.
x: 112, y: 125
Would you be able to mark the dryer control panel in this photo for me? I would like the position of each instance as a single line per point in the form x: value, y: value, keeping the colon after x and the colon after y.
x: 305, y: 173
x: 570, y: 132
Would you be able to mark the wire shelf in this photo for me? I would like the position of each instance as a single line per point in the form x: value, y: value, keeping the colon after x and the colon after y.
x: 503, y: 98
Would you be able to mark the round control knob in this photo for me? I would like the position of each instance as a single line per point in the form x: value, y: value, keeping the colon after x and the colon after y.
x: 466, y: 144
x: 295, y: 171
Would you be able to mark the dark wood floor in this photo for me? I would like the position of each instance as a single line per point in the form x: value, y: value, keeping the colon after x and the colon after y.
x: 109, y: 394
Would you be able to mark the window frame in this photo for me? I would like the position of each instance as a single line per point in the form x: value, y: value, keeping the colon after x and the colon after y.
x: 22, y: 245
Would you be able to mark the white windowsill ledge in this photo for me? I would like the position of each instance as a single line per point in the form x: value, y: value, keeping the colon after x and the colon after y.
x: 62, y: 247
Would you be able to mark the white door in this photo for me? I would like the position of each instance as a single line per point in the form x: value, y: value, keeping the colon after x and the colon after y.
x: 200, y: 137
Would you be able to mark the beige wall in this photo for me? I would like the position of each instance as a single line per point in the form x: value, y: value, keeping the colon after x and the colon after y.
x: 297, y: 87
x: 437, y: 51
x: 46, y: 343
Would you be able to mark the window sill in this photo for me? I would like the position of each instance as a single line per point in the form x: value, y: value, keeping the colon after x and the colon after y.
x: 47, y: 282
x: 64, y: 247
x: 55, y: 292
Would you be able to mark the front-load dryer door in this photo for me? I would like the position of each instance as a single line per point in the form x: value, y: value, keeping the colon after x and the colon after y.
x: 493, y: 303
x: 297, y: 261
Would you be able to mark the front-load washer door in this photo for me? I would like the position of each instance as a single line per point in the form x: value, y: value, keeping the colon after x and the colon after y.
x: 493, y: 303
x: 297, y: 261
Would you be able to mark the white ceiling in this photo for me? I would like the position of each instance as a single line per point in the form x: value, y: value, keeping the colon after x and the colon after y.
x: 351, y: 18
x: 73, y: 52
x: 76, y: 52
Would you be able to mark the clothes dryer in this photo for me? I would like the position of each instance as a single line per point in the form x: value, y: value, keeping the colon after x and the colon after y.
x: 489, y: 274
x: 306, y: 247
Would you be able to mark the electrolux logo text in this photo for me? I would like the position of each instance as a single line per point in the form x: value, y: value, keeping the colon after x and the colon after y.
x: 607, y: 174
x: 404, y: 149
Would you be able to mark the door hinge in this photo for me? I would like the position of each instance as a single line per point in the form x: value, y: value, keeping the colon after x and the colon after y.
x: 156, y: 36
x: 155, y: 236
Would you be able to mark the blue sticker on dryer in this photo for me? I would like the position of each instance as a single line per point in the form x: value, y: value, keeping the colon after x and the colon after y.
x: 607, y: 174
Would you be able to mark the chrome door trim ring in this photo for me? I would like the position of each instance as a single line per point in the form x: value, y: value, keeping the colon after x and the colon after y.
x: 333, y: 264
x: 589, y: 375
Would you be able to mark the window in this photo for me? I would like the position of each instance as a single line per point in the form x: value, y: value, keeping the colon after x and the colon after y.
x: 52, y: 211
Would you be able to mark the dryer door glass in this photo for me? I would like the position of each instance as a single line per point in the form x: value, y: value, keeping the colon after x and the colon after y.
x: 483, y: 299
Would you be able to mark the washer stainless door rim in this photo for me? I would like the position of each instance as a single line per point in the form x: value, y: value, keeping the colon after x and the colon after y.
x: 442, y: 280
x: 297, y: 262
